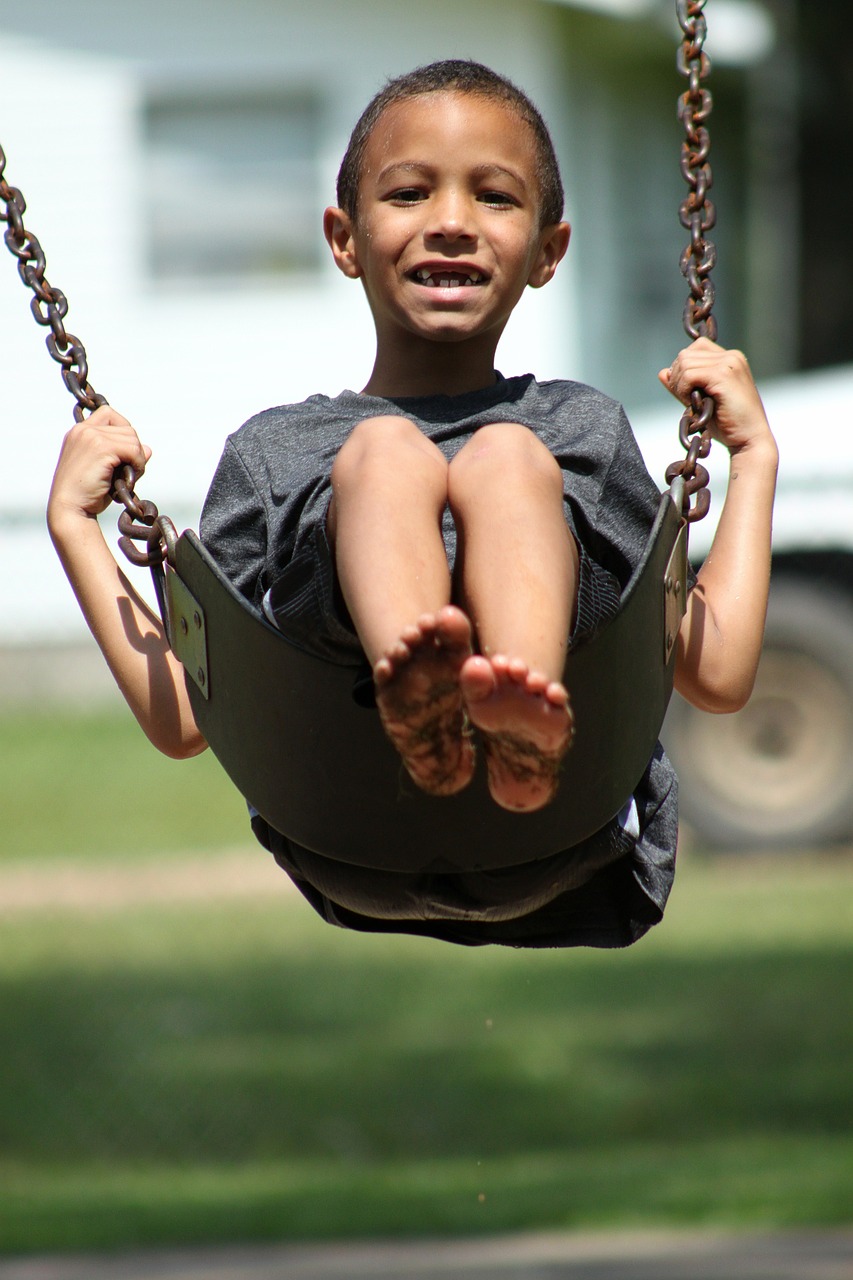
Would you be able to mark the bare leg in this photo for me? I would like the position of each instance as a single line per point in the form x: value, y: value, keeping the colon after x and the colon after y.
x: 389, y: 486
x: 519, y: 566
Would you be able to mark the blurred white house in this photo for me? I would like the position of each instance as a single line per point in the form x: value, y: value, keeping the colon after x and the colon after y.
x: 176, y: 157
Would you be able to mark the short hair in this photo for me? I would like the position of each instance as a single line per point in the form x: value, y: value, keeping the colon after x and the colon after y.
x: 455, y: 75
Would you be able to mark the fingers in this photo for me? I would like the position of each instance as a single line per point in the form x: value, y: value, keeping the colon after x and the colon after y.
x: 90, y: 454
x: 707, y: 366
x: 109, y: 436
x: 724, y: 374
x: 109, y: 429
x: 107, y: 414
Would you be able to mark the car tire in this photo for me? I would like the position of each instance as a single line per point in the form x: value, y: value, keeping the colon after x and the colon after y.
x: 779, y: 773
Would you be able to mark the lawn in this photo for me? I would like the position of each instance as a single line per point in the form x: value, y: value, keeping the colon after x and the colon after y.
x: 204, y: 1070
x: 85, y: 786
x: 223, y: 1071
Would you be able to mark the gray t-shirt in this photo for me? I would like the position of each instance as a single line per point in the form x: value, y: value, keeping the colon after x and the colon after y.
x: 272, y: 487
x: 264, y: 518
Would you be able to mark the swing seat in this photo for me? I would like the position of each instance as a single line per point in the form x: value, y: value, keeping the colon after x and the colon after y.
x: 318, y: 768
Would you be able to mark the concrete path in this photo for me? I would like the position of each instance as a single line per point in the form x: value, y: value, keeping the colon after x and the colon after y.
x: 688, y: 1256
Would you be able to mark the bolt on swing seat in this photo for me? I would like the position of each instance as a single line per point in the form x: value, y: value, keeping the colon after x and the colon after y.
x: 317, y: 766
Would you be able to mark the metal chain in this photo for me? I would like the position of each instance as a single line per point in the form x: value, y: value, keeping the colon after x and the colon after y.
x: 139, y: 522
x: 698, y: 216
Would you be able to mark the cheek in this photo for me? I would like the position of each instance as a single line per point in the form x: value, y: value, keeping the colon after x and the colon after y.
x: 517, y: 249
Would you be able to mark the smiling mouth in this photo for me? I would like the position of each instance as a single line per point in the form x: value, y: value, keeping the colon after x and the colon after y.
x: 440, y: 278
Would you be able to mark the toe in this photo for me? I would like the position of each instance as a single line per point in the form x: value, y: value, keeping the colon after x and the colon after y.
x: 401, y: 652
x: 416, y: 633
x: 383, y: 671
x: 454, y: 628
x: 518, y: 671
x: 477, y: 679
x: 557, y: 694
x: 537, y: 683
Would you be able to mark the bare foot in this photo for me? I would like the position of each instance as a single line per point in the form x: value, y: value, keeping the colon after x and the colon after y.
x: 526, y: 725
x: 420, y: 702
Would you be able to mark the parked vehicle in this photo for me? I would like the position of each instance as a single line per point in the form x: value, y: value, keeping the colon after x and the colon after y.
x: 779, y: 773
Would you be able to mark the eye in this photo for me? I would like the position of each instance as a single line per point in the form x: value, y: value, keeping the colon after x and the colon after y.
x: 498, y: 199
x: 406, y: 195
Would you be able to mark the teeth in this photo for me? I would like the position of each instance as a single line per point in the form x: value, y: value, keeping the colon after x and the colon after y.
x: 448, y: 280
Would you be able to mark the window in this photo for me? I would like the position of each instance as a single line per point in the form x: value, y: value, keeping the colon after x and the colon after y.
x: 231, y: 185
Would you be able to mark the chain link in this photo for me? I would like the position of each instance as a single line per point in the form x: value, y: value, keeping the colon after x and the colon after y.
x: 139, y: 522
x: 698, y: 216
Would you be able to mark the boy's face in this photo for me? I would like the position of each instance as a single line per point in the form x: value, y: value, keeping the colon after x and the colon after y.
x: 447, y: 235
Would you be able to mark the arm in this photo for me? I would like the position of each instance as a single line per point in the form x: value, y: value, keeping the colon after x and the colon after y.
x: 719, y: 643
x: 130, y: 635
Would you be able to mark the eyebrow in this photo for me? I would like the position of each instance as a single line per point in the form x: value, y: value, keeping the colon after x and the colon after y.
x: 479, y: 171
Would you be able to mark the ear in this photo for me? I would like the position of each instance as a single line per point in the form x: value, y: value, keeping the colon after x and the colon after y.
x: 338, y: 229
x: 552, y: 249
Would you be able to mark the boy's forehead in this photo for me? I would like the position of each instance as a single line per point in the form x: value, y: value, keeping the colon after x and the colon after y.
x: 475, y: 124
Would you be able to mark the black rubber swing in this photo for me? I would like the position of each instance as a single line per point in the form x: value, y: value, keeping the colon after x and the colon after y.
x: 318, y: 767
x: 285, y: 725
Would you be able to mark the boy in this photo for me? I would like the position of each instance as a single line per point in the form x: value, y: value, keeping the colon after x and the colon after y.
x: 458, y: 528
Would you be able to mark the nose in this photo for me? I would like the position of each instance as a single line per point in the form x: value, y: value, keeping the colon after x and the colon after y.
x: 450, y: 217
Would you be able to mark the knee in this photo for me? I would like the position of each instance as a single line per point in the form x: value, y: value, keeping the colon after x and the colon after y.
x: 508, y: 451
x: 372, y: 440
x: 385, y: 445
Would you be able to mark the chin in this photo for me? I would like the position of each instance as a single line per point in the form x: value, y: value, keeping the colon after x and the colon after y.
x: 439, y: 331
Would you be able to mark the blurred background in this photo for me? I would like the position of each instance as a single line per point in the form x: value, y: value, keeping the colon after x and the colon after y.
x: 187, y: 1053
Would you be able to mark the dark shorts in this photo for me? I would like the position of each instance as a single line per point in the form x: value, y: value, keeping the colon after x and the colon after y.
x: 605, y: 892
x: 595, y: 896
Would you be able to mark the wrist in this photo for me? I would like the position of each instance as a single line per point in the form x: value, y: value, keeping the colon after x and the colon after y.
x: 65, y: 523
x: 760, y: 450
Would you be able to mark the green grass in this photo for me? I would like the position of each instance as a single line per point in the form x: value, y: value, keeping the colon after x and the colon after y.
x: 87, y: 785
x: 233, y: 1071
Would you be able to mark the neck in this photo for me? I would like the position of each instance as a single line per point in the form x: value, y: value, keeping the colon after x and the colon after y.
x: 432, y: 368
